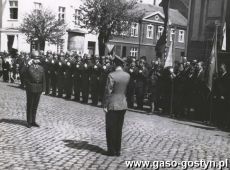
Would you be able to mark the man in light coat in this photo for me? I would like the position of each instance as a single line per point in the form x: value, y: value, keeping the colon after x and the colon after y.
x: 115, y: 106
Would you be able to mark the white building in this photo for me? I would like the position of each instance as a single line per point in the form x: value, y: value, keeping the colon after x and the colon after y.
x: 76, y: 38
x: 152, y: 2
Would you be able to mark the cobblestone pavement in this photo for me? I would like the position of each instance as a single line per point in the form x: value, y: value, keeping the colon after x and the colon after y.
x: 72, y: 135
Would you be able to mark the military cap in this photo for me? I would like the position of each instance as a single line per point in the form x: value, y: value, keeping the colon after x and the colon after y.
x: 118, y: 59
x: 35, y: 55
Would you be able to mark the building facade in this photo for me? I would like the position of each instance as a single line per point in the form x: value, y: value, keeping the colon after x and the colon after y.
x: 76, y: 38
x: 143, y: 36
x: 204, y: 17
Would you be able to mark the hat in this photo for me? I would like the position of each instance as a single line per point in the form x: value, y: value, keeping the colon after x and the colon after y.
x: 35, y: 55
x: 118, y: 60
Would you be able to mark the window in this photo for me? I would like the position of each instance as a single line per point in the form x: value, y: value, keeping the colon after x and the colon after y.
x: 181, y: 36
x: 172, y: 34
x: 159, y: 32
x: 61, y: 13
x: 13, y: 9
x: 134, y: 51
x: 149, y: 31
x: 37, y: 6
x: 60, y: 46
x: 134, y: 30
x: 77, y: 17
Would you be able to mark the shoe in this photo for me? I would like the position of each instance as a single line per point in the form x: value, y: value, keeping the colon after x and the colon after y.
x: 117, y: 153
x: 35, y: 124
x: 28, y: 125
x: 110, y: 153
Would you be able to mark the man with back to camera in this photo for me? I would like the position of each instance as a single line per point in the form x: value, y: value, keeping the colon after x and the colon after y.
x: 35, y: 85
x: 115, y: 106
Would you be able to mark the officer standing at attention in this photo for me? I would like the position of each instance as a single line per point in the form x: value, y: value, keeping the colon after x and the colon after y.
x: 115, y: 106
x: 35, y: 85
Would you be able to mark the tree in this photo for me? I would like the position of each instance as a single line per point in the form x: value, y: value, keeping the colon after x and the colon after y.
x: 106, y: 17
x: 42, y: 25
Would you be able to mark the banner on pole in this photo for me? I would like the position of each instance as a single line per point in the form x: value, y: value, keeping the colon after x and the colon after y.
x: 109, y: 46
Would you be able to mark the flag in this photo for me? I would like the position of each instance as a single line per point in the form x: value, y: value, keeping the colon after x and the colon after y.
x: 213, y: 63
x: 165, y: 5
x: 110, y: 47
x: 224, y: 38
x: 161, y: 43
x: 169, y: 59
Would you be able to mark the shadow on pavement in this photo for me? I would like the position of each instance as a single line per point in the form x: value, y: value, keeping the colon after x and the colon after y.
x: 83, y: 145
x: 16, y: 86
x: 206, y: 127
x: 14, y: 121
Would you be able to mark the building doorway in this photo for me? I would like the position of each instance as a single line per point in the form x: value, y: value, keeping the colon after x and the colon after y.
x: 91, y: 48
x: 10, y: 42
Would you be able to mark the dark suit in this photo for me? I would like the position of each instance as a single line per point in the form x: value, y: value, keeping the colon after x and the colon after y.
x: 141, y: 82
x: 116, y: 104
x: 77, y: 80
x: 95, y: 83
x: 35, y: 85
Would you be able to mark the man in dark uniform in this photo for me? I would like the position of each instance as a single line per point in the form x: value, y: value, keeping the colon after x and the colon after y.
x: 35, y: 85
x: 61, y: 75
x: 132, y: 70
x: 6, y: 69
x: 106, y: 69
x: 153, y: 84
x: 53, y: 73
x: 47, y: 67
x: 115, y: 106
x: 69, y: 76
x: 222, y: 98
x: 95, y: 81
x: 77, y: 73
x: 141, y: 82
x: 86, y: 73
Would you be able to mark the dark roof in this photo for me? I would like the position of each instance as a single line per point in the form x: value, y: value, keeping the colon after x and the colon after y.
x: 175, y: 16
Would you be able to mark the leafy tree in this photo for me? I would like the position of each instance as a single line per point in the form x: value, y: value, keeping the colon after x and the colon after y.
x: 106, y: 17
x: 42, y: 25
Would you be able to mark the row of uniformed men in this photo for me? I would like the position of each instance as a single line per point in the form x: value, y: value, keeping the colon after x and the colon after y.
x: 86, y: 76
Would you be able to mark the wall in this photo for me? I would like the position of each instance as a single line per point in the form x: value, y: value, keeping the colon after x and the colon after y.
x: 9, y: 26
x: 203, y: 16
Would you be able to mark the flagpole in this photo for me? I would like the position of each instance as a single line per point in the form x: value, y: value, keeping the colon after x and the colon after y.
x: 172, y: 86
x: 216, y: 71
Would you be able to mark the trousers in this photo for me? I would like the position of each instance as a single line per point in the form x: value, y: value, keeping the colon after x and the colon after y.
x: 32, y: 105
x: 114, y: 124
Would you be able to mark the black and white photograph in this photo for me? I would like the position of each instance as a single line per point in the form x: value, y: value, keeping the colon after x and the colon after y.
x: 114, y: 84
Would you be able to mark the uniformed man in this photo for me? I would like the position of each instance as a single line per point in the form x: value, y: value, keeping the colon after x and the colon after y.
x: 69, y: 76
x: 47, y: 66
x: 95, y: 80
x: 35, y: 85
x: 115, y: 106
x: 153, y: 84
x: 132, y: 70
x: 6, y: 69
x: 106, y: 69
x: 61, y: 75
x: 53, y: 73
x: 77, y: 73
x: 221, y: 99
x: 86, y: 73
x: 141, y: 82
